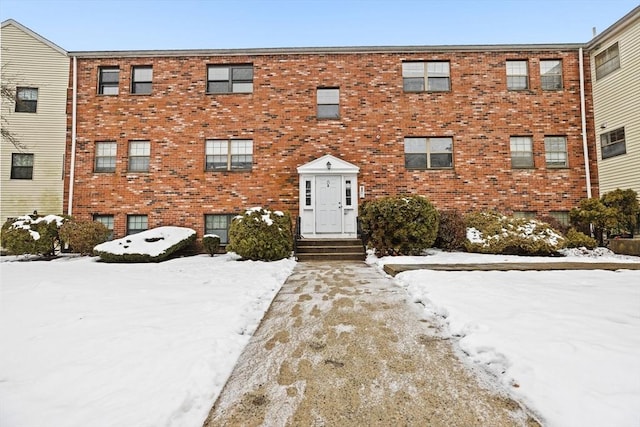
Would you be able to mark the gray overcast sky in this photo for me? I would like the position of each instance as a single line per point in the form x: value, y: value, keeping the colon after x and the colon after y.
x: 216, y: 24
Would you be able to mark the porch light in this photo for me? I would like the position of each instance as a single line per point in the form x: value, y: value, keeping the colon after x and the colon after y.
x: 328, y: 165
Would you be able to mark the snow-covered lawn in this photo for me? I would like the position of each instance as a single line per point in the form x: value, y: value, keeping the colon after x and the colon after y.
x: 567, y: 343
x: 84, y: 343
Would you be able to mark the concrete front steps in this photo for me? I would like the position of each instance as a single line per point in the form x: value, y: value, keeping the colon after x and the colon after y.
x: 330, y: 250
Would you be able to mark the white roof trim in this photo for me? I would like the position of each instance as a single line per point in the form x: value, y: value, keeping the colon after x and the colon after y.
x: 34, y: 35
x: 319, y: 165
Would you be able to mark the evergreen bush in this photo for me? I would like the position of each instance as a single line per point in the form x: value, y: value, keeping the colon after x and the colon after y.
x: 625, y: 202
x: 451, y: 231
x: 153, y: 245
x: 32, y: 234
x: 494, y: 233
x: 83, y: 236
x: 577, y: 239
x: 399, y: 225
x: 211, y: 243
x: 260, y: 234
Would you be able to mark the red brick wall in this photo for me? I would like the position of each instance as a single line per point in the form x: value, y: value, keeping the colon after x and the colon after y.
x: 280, y: 116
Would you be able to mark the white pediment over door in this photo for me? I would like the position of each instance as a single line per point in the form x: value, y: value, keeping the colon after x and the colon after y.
x: 328, y: 164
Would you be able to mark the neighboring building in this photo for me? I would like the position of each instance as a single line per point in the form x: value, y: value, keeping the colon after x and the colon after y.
x: 615, y: 65
x: 37, y: 71
x: 192, y: 138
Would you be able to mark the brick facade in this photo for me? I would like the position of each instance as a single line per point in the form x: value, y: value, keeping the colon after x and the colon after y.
x: 479, y: 113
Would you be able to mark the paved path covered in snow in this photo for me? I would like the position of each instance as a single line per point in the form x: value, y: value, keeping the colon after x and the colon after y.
x: 342, y: 346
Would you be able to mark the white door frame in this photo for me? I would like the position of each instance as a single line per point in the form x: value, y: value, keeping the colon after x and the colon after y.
x: 318, y: 219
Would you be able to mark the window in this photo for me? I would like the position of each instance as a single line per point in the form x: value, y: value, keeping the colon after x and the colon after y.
x: 521, y: 152
x: 561, y: 216
x: 141, y: 80
x: 234, y: 154
x: 26, y: 99
x: 230, y: 79
x: 218, y: 225
x: 551, y: 74
x: 347, y: 192
x: 428, y: 153
x: 107, y: 221
x: 139, y: 152
x: 307, y: 193
x: 607, y: 61
x: 613, y: 143
x: 524, y: 214
x: 105, y: 156
x: 328, y: 103
x: 434, y: 73
x: 136, y: 224
x: 108, y: 80
x: 517, y: 75
x: 21, y: 166
x: 555, y: 148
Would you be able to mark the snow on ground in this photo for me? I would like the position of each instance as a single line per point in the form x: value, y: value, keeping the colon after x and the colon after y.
x: 89, y: 343
x: 567, y: 343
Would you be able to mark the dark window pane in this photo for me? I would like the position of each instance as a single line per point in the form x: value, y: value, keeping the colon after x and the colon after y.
x: 415, y: 161
x: 26, y: 106
x: 138, y: 164
x: 438, y: 83
x: 551, y: 82
x: 328, y: 112
x: 143, y: 88
x: 110, y: 76
x: 242, y: 74
x: 218, y: 87
x: 517, y: 82
x: 216, y: 162
x: 241, y: 161
x: 613, y: 150
x: 105, y: 164
x: 441, y: 160
x: 413, y: 84
x: 522, y: 160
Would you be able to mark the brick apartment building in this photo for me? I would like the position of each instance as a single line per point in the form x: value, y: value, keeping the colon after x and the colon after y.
x: 190, y: 138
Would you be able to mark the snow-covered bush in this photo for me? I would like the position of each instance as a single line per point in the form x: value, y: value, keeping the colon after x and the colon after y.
x: 211, y: 243
x: 451, y: 231
x: 154, y: 245
x: 83, y: 236
x: 577, y: 239
x: 260, y: 234
x: 32, y: 234
x: 399, y: 225
x: 493, y: 233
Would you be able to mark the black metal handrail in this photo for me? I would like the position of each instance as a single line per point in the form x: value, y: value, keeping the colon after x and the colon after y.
x: 298, y: 235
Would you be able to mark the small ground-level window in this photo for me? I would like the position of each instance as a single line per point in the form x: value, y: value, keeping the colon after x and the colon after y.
x: 107, y: 221
x: 218, y: 224
x: 524, y: 214
x: 561, y: 216
x: 136, y: 224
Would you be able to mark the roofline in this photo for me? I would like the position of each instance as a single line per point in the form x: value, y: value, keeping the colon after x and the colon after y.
x: 34, y: 35
x: 324, y: 50
x: 617, y: 26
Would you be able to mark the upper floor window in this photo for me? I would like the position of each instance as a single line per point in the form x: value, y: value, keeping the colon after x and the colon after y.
x: 432, y: 76
x: 141, y: 79
x: 328, y: 100
x: 428, y: 153
x: 551, y: 74
x: 234, y: 154
x: 607, y: 61
x: 26, y: 99
x: 108, y: 80
x: 521, y: 152
x: 139, y: 153
x: 613, y: 144
x: 107, y: 221
x: 230, y: 79
x: 21, y: 166
x: 517, y: 75
x: 137, y: 223
x: 105, y: 156
x: 218, y: 224
x: 555, y: 151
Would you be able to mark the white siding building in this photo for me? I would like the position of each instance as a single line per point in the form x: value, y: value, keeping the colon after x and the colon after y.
x: 37, y: 71
x: 615, y: 72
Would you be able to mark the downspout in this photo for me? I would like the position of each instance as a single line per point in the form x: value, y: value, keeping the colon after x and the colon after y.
x: 74, y: 107
x: 583, y: 113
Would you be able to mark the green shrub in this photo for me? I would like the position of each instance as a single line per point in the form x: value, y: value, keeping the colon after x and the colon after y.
x: 594, y: 212
x: 451, y: 231
x: 555, y: 224
x: 625, y: 202
x: 211, y: 243
x: 577, y: 239
x: 83, y: 236
x: 399, y: 225
x: 493, y: 233
x: 154, y: 245
x: 32, y: 234
x: 260, y: 234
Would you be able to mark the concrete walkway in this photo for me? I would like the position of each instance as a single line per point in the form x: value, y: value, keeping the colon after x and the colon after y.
x: 342, y: 346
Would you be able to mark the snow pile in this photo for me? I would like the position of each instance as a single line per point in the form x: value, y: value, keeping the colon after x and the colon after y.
x: 86, y: 343
x: 153, y: 242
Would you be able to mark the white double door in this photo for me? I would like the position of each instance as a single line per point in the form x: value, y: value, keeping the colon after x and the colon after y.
x: 328, y: 203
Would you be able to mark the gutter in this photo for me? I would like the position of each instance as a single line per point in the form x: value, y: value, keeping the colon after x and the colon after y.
x: 72, y: 169
x: 583, y: 114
